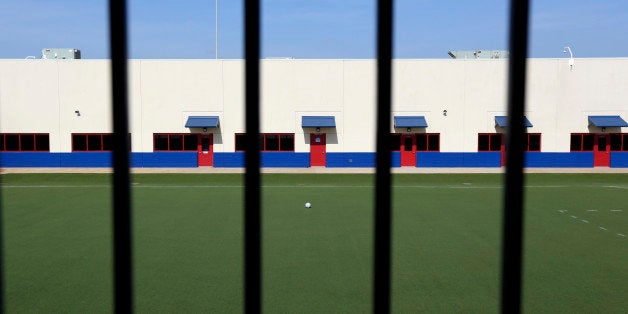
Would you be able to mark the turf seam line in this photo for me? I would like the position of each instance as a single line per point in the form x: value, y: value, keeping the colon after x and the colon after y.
x: 303, y: 186
x: 616, y: 187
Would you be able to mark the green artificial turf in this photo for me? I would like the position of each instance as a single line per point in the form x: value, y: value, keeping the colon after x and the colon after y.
x: 188, y: 247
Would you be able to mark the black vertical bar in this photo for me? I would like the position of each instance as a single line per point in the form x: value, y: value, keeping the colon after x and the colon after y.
x: 512, y: 241
x: 2, y: 305
x: 123, y: 272
x: 252, y: 216
x: 381, y: 271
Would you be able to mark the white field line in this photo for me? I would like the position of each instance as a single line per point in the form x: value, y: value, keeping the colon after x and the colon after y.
x: 134, y: 185
x: 616, y: 210
x: 586, y: 221
x: 242, y: 186
x: 616, y: 187
x: 591, y: 210
x: 53, y: 186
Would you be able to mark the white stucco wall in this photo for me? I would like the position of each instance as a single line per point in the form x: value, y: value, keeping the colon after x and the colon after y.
x: 41, y: 96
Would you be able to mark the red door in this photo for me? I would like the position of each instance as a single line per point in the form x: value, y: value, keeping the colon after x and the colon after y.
x: 601, y: 151
x: 408, y: 151
x: 318, y: 147
x: 205, y: 150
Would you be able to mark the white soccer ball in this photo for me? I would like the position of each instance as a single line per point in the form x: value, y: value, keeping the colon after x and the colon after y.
x: 308, y: 205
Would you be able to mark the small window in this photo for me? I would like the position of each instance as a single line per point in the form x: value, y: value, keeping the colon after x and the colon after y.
x: 107, y: 142
x: 615, y: 142
x: 587, y: 142
x: 395, y: 142
x: 421, y: 142
x: 490, y: 142
x: 407, y: 143
x: 79, y: 142
x: 160, y: 142
x: 625, y: 142
x: 534, y: 143
x: 601, y: 143
x: 269, y: 142
x: 286, y: 142
x: 205, y: 144
x: 94, y: 142
x: 576, y: 142
x: 261, y: 142
x: 27, y: 142
x: 240, y: 144
x: 272, y: 143
x: 433, y: 143
x: 12, y: 142
x: 496, y: 142
x: 190, y: 142
x: 176, y: 142
x: 24, y: 142
x: 42, y: 142
x: 483, y: 142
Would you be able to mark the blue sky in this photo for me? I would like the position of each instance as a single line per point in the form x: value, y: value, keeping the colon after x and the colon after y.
x: 312, y: 28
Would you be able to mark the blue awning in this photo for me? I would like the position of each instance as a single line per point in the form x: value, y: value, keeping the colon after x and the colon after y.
x: 607, y: 121
x: 318, y: 121
x: 502, y: 122
x: 202, y: 122
x: 410, y: 122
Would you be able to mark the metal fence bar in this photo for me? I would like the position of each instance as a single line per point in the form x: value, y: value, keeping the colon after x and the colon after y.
x: 2, y: 286
x: 252, y: 215
x: 512, y: 241
x: 123, y: 269
x: 382, y: 251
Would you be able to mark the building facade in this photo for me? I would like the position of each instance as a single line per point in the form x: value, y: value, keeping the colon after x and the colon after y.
x: 189, y: 113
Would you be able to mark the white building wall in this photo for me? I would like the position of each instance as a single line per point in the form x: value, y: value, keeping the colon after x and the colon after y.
x: 359, y: 99
x: 86, y: 88
x: 173, y: 90
x: 42, y: 96
x: 29, y: 98
x: 233, y: 122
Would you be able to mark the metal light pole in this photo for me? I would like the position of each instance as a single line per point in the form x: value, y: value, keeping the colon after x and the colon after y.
x: 216, y: 29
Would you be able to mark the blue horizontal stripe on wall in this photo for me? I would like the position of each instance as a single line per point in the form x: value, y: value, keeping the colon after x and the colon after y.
x: 396, y: 159
x: 285, y: 159
x: 290, y: 159
x: 268, y: 159
x: 438, y: 159
x: 348, y: 160
x: 559, y: 160
x: 29, y: 159
x: 165, y: 159
x: 86, y: 159
x: 619, y: 160
x: 229, y: 160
